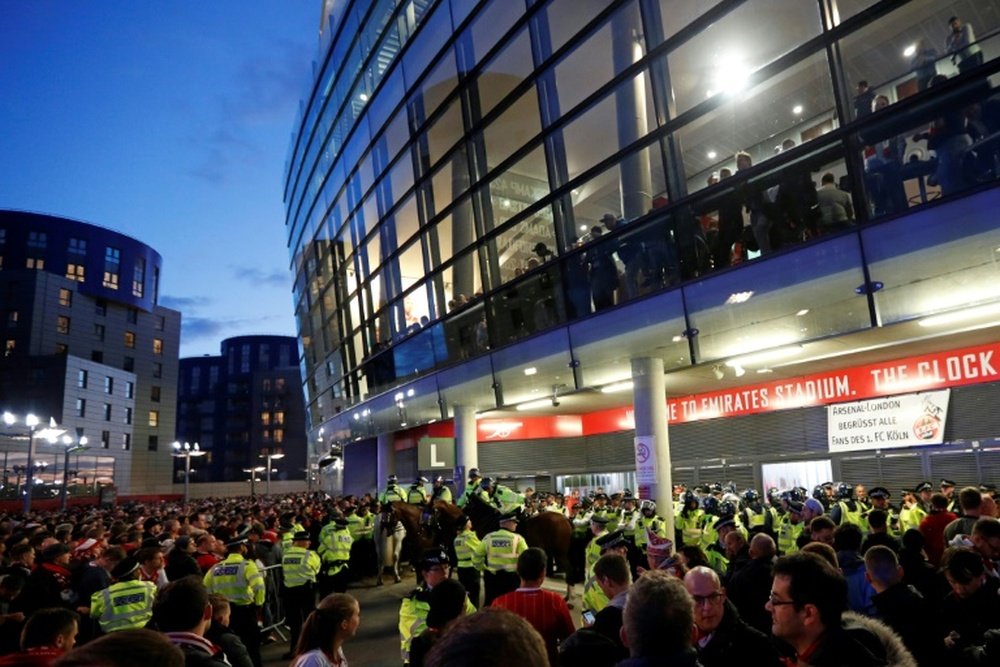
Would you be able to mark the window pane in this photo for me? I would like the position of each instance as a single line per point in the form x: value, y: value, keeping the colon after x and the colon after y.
x: 443, y: 134
x: 515, y: 127
x: 450, y: 180
x: 519, y: 187
x: 504, y: 72
x: 566, y: 17
x: 490, y: 25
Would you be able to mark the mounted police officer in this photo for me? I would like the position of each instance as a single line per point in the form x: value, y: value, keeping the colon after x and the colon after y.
x: 239, y: 581
x: 393, y: 491
x: 649, y: 523
x: 416, y: 494
x: 689, y: 521
x: 471, y: 487
x: 299, y: 569
x: 441, y: 491
x: 126, y: 604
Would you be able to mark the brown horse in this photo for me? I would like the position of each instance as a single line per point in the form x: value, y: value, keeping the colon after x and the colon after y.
x: 548, y: 531
x: 420, y: 537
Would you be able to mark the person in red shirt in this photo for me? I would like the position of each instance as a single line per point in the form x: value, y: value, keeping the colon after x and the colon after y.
x: 47, y: 635
x: 544, y: 610
x: 205, y: 555
x: 932, y: 528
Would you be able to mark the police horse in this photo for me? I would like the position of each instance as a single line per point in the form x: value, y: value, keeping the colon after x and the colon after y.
x: 389, y: 535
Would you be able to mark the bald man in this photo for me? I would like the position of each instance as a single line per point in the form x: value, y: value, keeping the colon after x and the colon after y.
x: 749, y: 588
x: 722, y: 638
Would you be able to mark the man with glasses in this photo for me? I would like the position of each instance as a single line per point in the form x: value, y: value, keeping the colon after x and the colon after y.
x: 721, y: 636
x: 808, y: 598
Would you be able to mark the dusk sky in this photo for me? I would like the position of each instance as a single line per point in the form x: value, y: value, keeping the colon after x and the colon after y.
x: 169, y: 122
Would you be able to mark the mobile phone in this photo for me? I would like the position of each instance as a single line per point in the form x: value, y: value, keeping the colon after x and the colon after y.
x: 588, y: 617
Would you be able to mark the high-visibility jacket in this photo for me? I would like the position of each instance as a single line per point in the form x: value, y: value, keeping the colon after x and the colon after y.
x: 755, y: 521
x: 653, y: 524
x: 334, y: 548
x: 788, y: 533
x: 581, y: 523
x: 299, y: 566
x: 392, y: 493
x: 413, y: 617
x: 470, y: 550
x: 471, y: 489
x: 709, y: 535
x: 910, y: 517
x: 855, y: 516
x: 690, y: 526
x: 441, y: 493
x: 627, y: 521
x: 507, y: 499
x: 238, y: 580
x: 593, y: 552
x: 286, y: 537
x: 126, y: 605
x: 502, y: 548
x: 416, y: 495
x: 717, y: 561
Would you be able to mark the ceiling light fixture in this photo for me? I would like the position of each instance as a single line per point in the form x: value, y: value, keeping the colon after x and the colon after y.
x: 530, y: 370
x: 712, y: 155
x: 718, y: 372
x: 363, y: 97
x: 909, y: 51
x: 534, y: 405
x: 765, y: 356
x: 804, y: 311
x: 797, y: 109
x: 962, y: 315
x: 739, y: 297
x: 615, y: 387
x: 739, y: 371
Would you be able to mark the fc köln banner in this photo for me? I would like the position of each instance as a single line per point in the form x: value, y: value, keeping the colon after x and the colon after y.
x: 908, y: 420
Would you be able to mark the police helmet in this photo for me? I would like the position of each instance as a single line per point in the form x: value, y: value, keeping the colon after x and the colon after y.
x: 845, y: 491
x: 439, y: 480
x: 392, y: 479
x: 690, y: 497
x: 751, y: 496
x: 819, y: 493
x: 487, y: 482
x: 715, y: 487
x: 710, y: 504
x: 648, y: 506
x: 473, y: 473
x: 420, y: 480
x: 727, y: 508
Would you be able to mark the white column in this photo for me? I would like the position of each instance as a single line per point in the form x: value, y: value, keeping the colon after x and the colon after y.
x: 466, y: 445
x: 652, y: 438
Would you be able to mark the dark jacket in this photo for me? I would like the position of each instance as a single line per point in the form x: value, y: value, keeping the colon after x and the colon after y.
x: 180, y: 564
x: 905, y: 610
x: 749, y: 590
x: 233, y: 647
x: 736, y: 643
x: 971, y: 617
x: 194, y: 657
x: 686, y: 658
x: 846, y: 647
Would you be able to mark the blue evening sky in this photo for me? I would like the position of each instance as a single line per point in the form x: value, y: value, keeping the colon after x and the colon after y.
x: 170, y: 122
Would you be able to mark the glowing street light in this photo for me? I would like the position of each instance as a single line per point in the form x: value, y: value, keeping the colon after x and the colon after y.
x: 186, y: 451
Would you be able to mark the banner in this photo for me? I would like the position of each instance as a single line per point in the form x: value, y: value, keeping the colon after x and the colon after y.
x: 908, y: 420
x: 645, y: 460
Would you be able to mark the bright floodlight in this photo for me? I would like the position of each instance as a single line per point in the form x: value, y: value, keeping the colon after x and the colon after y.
x: 9, y: 418
x: 31, y: 421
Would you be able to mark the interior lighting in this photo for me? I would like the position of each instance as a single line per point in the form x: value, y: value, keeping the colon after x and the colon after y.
x: 712, y: 155
x: 909, y: 51
x: 530, y: 370
x: 766, y: 356
x: 583, y: 228
x: 617, y: 387
x: 739, y: 297
x: 739, y: 371
x: 803, y: 312
x: 410, y: 392
x: 718, y: 372
x: 363, y: 97
x: 962, y: 315
x: 731, y: 74
x: 534, y: 405
x: 797, y: 109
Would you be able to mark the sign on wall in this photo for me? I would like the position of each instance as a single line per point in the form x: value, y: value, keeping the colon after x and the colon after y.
x: 907, y: 420
x: 645, y: 460
x: 435, y: 453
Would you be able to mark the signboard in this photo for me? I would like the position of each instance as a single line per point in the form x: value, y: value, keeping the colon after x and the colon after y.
x: 435, y: 453
x: 907, y: 420
x: 645, y: 460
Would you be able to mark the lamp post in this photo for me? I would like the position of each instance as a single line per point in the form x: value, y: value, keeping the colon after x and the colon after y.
x: 71, y: 448
x: 185, y: 451
x: 270, y: 456
x: 50, y: 433
x: 253, y: 479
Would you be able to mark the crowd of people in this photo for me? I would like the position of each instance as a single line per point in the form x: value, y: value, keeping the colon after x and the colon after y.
x: 835, y: 576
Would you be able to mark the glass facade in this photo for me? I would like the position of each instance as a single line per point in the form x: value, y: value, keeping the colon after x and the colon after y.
x: 465, y: 175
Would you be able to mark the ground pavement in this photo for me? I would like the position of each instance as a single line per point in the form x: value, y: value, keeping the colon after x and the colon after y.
x: 377, y: 641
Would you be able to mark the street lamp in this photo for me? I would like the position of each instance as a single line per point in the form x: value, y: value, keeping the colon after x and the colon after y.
x: 50, y: 433
x: 270, y: 456
x: 186, y: 451
x: 71, y: 448
x: 253, y: 479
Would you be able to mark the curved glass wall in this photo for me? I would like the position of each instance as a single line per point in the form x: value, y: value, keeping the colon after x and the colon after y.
x: 451, y: 174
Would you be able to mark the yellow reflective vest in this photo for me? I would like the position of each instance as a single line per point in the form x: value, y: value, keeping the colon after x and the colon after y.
x: 788, y: 533
x: 126, y: 605
x: 413, y: 617
x: 470, y: 550
x: 238, y: 580
x: 299, y: 566
x: 334, y: 548
x: 502, y: 548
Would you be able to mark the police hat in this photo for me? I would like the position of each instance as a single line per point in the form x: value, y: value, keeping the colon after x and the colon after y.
x: 511, y: 516
x: 125, y: 567
x: 600, y: 496
x: 947, y: 483
x: 461, y: 520
x: 236, y: 542
x: 341, y: 522
x: 301, y: 536
x: 599, y: 519
x: 729, y: 522
x: 794, y: 506
x: 988, y: 488
x: 879, y: 492
x: 432, y: 557
x: 924, y: 486
x: 611, y: 540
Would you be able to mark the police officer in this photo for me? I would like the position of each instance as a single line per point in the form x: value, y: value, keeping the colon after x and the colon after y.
x: 471, y: 557
x: 471, y: 487
x: 393, y: 491
x: 432, y: 568
x: 594, y: 597
x: 790, y: 525
x: 441, y: 491
x: 299, y: 568
x: 911, y: 513
x: 239, y: 581
x: 592, y: 553
x: 502, y: 547
x: 756, y: 517
x: 847, y: 509
x: 416, y: 494
x: 335, y: 552
x: 126, y: 604
x: 879, y: 497
x: 948, y: 490
x: 689, y: 521
x: 649, y: 523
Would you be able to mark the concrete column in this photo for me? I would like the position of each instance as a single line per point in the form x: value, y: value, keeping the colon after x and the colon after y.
x: 386, y: 459
x: 630, y: 105
x: 652, y: 440
x: 466, y: 445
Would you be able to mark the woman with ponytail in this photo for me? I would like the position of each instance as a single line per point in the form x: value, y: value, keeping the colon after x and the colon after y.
x: 334, y: 621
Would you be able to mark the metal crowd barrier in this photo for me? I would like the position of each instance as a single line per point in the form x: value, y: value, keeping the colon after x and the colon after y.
x: 274, y: 607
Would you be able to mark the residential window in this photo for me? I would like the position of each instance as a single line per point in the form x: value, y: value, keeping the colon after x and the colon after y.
x: 279, y: 418
x: 12, y: 318
x: 128, y: 415
x: 157, y: 369
x: 129, y: 364
x: 8, y: 347
x: 129, y: 389
x: 37, y: 240
x: 126, y: 441
x: 62, y: 348
x: 105, y: 439
x: 99, y: 332
x: 159, y: 322
x: 101, y: 307
x: 81, y: 379
x: 77, y: 247
x: 139, y: 278
x: 62, y: 324
x: 157, y: 346
x: 37, y: 263
x: 154, y: 418
x: 279, y: 435
x: 129, y: 339
x: 132, y: 315
x: 75, y: 272
x: 266, y: 385
x: 265, y: 418
x: 109, y: 384
x: 81, y: 407
x: 279, y: 384
x: 107, y: 412
x: 65, y: 297
x: 112, y: 267
x: 97, y: 355
x: 154, y: 394
x: 154, y: 443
